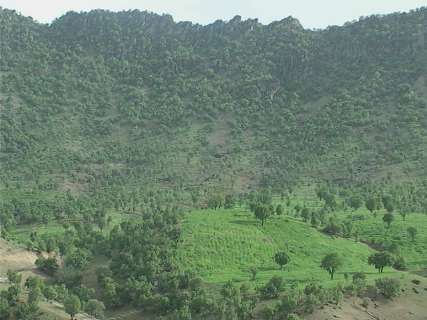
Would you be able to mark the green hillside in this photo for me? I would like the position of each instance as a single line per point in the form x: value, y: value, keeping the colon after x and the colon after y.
x: 121, y: 132
x: 373, y: 230
x: 223, y: 245
x: 106, y: 101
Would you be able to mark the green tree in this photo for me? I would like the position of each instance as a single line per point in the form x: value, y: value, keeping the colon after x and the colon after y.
x: 281, y: 258
x: 380, y: 260
x: 50, y: 293
x: 95, y: 308
x: 371, y: 204
x: 72, y: 305
x: 388, y: 219
x: 331, y: 262
x: 305, y: 214
x: 279, y: 210
x: 262, y: 212
x: 272, y: 288
x: 355, y: 202
x: 412, y: 232
x: 34, y: 295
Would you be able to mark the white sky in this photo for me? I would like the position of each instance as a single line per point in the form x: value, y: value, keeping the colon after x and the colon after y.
x: 311, y: 13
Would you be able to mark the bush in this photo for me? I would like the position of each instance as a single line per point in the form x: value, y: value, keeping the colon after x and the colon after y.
x: 95, y: 308
x: 47, y: 265
x: 273, y: 288
x: 388, y: 287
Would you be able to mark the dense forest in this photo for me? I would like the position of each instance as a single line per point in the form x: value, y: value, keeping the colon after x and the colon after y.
x: 132, y: 113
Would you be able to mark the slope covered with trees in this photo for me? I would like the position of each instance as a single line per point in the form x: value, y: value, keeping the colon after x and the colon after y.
x: 132, y: 98
x: 113, y: 124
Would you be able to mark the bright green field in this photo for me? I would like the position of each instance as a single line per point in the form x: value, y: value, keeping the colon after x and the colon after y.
x: 222, y: 245
x: 415, y: 253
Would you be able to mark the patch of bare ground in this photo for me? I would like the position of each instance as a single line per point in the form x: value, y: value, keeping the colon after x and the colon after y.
x: 15, y: 258
x: 410, y: 305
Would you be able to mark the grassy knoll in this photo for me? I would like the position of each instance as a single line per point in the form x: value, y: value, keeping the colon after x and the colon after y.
x: 223, y: 245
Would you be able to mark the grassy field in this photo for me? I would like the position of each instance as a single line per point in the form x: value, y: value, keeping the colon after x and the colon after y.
x: 222, y: 245
x: 372, y: 228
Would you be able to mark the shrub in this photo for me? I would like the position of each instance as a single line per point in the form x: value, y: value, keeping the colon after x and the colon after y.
x: 388, y: 287
x: 273, y: 288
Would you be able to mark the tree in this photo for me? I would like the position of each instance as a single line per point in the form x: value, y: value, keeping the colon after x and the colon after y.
x: 262, y: 212
x: 34, y: 295
x: 14, y: 277
x: 305, y: 214
x: 371, y: 204
x: 48, y: 265
x: 272, y: 288
x: 216, y: 201
x: 72, y: 305
x: 412, y: 232
x: 380, y: 260
x: 95, y: 308
x: 279, y: 210
x: 388, y: 203
x: 331, y: 262
x: 229, y: 201
x: 355, y: 202
x: 388, y: 219
x: 330, y: 201
x: 281, y: 258
x: 49, y: 292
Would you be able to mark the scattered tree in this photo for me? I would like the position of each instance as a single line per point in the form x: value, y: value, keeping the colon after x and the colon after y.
x: 72, y: 305
x: 380, y: 260
x: 281, y: 258
x: 412, y: 232
x: 331, y: 262
x: 388, y: 219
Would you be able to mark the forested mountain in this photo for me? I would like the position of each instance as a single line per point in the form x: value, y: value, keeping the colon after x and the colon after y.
x: 118, y: 130
x: 105, y: 101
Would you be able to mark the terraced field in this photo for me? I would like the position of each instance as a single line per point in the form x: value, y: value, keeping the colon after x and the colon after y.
x: 372, y: 228
x: 223, y: 245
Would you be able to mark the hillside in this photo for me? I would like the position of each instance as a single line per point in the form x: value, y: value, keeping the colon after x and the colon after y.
x: 111, y: 100
x: 223, y: 245
x: 164, y: 170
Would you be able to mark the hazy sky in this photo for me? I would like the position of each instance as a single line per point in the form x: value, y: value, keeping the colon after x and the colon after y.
x: 311, y: 13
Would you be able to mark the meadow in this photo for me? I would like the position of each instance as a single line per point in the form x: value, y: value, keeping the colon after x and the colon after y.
x: 222, y: 245
x: 371, y: 228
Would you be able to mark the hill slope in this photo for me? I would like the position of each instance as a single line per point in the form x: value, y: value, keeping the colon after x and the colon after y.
x: 223, y: 245
x: 104, y: 100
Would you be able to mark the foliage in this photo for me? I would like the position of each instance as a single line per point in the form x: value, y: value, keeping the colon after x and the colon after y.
x: 281, y: 258
x: 331, y: 262
x: 380, y: 260
x: 72, y: 305
x: 388, y: 287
